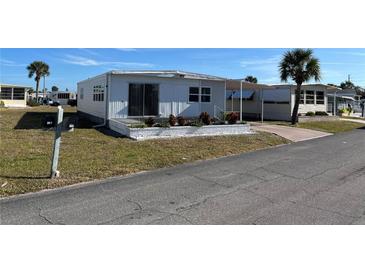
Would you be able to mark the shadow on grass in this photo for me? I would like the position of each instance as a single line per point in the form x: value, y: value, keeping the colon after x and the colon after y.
x: 25, y: 177
x: 35, y: 120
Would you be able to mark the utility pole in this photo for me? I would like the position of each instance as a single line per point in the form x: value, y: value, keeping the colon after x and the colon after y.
x: 44, y: 87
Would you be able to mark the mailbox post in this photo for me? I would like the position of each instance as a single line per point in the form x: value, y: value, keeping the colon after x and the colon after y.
x: 57, y: 141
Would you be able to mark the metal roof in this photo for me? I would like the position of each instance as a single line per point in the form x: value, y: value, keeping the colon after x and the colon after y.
x: 13, y: 86
x: 169, y: 74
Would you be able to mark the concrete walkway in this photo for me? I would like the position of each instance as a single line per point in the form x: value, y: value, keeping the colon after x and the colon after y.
x: 353, y: 120
x: 291, y: 133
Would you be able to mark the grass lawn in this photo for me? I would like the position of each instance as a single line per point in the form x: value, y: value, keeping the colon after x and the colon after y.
x: 88, y: 154
x: 331, y: 126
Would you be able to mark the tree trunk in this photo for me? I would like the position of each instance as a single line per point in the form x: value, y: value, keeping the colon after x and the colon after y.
x: 36, y: 89
x: 294, y: 117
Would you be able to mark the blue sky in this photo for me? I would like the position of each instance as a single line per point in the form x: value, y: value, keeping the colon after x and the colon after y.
x: 68, y: 66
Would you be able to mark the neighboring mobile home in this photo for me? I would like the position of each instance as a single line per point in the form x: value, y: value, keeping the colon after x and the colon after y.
x: 138, y: 94
x: 276, y: 102
x: 13, y: 95
x: 62, y: 97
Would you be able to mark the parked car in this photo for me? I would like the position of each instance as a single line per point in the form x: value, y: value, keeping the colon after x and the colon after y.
x: 47, y: 101
x: 55, y: 104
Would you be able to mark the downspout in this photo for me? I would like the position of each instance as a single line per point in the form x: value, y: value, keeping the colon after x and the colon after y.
x: 225, y: 98
x: 241, y: 103
x: 106, y: 103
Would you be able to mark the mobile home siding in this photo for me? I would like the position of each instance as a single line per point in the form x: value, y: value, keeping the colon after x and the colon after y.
x: 173, y: 95
x: 85, y: 102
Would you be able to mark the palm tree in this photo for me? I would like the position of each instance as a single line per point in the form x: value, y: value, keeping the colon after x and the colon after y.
x: 39, y: 69
x: 300, y: 65
x: 251, y: 79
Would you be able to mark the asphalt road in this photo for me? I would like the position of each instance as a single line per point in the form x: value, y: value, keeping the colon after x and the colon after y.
x: 321, y: 181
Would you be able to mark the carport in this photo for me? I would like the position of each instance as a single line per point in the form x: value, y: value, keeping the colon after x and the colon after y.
x: 246, y: 91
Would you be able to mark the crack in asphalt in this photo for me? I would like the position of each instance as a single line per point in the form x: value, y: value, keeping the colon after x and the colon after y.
x: 47, y: 219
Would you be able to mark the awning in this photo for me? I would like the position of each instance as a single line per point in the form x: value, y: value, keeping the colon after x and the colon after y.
x: 236, y: 94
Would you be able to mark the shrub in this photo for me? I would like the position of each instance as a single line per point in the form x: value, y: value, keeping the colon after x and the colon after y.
x: 33, y: 103
x: 321, y: 113
x: 205, y: 118
x: 2, y: 104
x: 232, y: 118
x: 149, y: 122
x: 181, y: 121
x: 172, y: 120
x: 342, y: 110
x: 310, y: 113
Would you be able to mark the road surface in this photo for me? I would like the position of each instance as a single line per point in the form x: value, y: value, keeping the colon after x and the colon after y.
x: 321, y: 181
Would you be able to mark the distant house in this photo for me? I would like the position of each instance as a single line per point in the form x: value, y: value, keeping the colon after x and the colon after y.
x: 13, y: 95
x: 62, y: 97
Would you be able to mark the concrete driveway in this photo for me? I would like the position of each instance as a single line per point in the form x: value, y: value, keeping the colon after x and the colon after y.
x: 321, y: 181
x: 291, y: 133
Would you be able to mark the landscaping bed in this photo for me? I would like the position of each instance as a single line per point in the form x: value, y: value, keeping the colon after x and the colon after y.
x: 89, y: 154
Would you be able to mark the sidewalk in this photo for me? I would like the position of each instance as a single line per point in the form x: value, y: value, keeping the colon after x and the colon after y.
x: 353, y: 120
x: 291, y: 133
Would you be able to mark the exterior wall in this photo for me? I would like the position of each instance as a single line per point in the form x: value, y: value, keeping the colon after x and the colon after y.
x: 173, y: 95
x: 15, y: 103
x: 85, y: 101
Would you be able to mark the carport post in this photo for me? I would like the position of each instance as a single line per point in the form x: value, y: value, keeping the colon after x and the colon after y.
x: 262, y: 105
x: 241, y: 102
x: 57, y: 141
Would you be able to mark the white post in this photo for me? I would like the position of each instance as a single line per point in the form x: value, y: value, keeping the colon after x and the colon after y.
x: 241, y: 103
x: 225, y: 99
x: 262, y: 105
x: 57, y: 141
x: 335, y: 104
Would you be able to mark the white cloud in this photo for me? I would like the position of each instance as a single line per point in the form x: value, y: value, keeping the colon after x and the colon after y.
x: 9, y: 63
x: 126, y: 49
x: 83, y: 61
x: 271, y: 61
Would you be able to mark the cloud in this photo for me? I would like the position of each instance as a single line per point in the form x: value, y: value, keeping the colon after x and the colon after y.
x: 126, y: 49
x: 268, y: 65
x: 90, y: 51
x: 83, y: 61
x: 9, y: 63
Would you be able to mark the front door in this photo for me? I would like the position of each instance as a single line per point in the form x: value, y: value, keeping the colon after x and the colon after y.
x: 143, y: 100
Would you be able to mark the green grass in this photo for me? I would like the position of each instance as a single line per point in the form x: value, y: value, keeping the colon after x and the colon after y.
x: 88, y: 154
x: 331, y: 126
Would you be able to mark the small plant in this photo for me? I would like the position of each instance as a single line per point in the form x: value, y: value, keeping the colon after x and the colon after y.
x: 195, y: 123
x: 181, y: 121
x: 2, y: 104
x: 149, y: 122
x: 33, y: 103
x: 310, y: 113
x: 341, y: 111
x: 232, y: 118
x: 321, y: 113
x: 205, y: 118
x: 164, y: 124
x: 172, y: 120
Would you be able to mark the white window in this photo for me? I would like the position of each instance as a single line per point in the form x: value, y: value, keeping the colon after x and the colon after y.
x: 205, y: 95
x: 319, y: 97
x: 309, y: 97
x: 301, y: 97
x: 98, y: 93
x: 197, y: 94
x: 193, y: 94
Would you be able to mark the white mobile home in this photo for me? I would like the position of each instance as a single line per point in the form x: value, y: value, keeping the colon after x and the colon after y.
x: 62, y: 97
x: 276, y: 102
x: 136, y: 94
x: 13, y: 95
